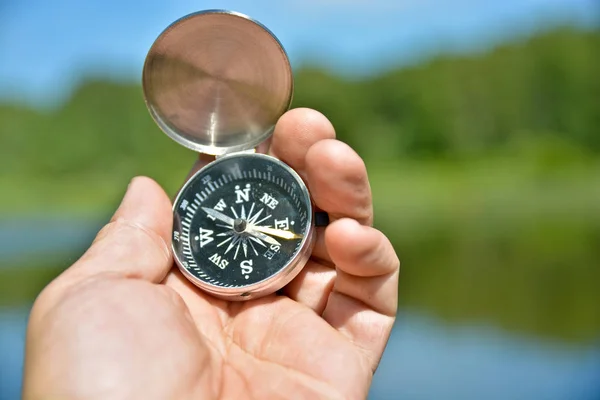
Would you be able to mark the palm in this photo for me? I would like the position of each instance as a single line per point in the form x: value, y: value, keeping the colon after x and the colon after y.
x: 266, y: 347
x: 123, y: 323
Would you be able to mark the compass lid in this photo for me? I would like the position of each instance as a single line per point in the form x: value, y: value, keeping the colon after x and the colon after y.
x: 217, y: 82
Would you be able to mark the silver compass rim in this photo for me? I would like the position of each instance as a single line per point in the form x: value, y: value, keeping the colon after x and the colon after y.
x: 276, y: 281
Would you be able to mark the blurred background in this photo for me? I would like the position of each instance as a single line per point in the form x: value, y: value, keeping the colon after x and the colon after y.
x: 479, y: 122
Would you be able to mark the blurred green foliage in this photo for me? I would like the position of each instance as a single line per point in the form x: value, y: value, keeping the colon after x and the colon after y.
x: 485, y: 171
x: 457, y: 107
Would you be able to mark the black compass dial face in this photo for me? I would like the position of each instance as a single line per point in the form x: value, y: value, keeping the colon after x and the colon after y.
x: 240, y: 220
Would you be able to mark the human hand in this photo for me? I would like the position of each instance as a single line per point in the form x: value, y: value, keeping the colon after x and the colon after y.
x: 122, y: 323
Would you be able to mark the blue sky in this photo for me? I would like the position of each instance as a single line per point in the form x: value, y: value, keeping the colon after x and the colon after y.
x: 46, y: 46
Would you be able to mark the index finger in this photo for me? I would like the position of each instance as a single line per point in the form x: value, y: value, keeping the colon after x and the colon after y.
x: 295, y: 132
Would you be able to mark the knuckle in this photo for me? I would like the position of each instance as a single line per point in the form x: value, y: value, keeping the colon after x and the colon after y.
x: 124, y: 228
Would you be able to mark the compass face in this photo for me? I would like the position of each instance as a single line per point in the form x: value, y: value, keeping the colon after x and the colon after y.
x: 241, y: 222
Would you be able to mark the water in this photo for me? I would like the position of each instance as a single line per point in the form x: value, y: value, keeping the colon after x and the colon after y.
x: 428, y: 360
x: 12, y: 343
x: 39, y: 236
x: 424, y: 360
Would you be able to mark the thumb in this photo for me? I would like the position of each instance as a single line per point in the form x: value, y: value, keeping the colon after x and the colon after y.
x: 136, y: 241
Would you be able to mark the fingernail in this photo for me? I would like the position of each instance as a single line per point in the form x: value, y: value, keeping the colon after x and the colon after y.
x: 130, y: 193
x: 131, y: 182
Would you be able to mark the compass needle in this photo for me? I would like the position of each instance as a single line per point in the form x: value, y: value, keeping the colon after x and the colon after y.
x: 277, y: 232
x: 218, y: 215
x: 262, y: 236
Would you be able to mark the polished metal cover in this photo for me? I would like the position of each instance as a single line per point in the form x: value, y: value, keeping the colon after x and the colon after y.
x: 217, y: 82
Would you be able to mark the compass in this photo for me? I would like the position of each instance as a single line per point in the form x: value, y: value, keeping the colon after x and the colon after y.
x: 216, y: 82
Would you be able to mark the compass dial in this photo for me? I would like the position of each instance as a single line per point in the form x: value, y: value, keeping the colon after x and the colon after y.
x: 242, y: 225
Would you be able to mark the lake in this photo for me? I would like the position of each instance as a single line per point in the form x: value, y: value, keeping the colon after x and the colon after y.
x: 426, y: 358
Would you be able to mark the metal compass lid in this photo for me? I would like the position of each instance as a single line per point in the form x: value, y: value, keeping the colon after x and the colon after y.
x: 217, y: 82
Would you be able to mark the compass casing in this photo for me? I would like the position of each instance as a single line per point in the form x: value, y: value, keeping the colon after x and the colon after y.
x: 189, y: 219
x: 217, y: 82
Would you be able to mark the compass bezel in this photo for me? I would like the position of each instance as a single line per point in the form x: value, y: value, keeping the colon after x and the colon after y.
x: 274, y: 282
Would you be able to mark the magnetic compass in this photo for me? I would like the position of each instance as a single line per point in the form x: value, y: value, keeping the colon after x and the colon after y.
x: 217, y: 82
